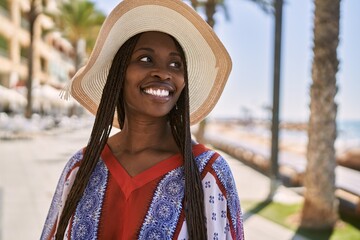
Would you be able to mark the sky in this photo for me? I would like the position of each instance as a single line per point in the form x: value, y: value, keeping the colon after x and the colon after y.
x: 248, y: 36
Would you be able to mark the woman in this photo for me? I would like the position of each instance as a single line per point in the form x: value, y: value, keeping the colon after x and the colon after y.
x: 157, y: 68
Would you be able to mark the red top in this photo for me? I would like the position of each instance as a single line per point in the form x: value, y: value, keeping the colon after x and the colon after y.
x: 118, y: 206
x: 127, y: 198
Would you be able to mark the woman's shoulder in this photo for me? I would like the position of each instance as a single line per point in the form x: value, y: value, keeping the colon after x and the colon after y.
x: 209, y: 158
x: 203, y: 155
x: 73, y: 162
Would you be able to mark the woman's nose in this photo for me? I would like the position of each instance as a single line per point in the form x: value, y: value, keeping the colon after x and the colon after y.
x: 161, y: 72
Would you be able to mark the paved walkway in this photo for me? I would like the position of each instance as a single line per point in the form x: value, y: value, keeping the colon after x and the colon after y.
x: 29, y: 171
x: 254, y: 186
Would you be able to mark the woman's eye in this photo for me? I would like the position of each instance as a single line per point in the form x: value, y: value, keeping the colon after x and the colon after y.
x: 145, y: 59
x: 175, y: 64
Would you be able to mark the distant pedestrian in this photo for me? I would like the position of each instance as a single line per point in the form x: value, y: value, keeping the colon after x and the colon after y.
x: 156, y: 69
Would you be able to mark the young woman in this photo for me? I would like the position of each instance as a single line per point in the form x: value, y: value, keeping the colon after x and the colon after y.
x: 157, y: 68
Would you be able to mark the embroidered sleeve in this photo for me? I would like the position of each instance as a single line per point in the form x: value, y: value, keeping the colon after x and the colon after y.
x: 63, y: 187
x: 223, y: 201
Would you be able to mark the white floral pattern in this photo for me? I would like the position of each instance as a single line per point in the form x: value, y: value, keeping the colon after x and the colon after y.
x: 215, y: 210
x: 225, y: 176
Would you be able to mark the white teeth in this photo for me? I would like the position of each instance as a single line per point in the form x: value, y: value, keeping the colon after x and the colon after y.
x: 157, y: 92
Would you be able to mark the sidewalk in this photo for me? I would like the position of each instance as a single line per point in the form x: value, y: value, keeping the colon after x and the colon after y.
x: 29, y: 171
x: 254, y: 186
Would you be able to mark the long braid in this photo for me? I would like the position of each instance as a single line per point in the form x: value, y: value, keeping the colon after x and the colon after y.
x: 100, y: 132
x: 194, y: 195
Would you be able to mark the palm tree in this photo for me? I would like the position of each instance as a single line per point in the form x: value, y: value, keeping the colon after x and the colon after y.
x: 33, y: 14
x: 80, y: 22
x: 320, y: 209
x: 210, y: 10
x: 210, y: 7
x: 268, y: 6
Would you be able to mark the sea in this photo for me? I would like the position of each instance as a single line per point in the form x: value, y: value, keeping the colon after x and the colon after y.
x: 348, y: 135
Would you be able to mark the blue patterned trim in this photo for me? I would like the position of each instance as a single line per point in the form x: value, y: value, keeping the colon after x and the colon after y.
x: 224, y: 174
x: 161, y: 219
x: 165, y: 208
x: 56, y: 201
x: 87, y: 215
x: 203, y: 159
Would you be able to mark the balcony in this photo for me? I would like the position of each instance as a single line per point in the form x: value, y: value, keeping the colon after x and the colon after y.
x: 4, y: 8
x: 4, y: 12
x: 25, y: 23
x: 4, y: 53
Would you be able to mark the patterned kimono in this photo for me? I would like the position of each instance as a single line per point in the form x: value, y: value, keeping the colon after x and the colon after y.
x: 149, y: 205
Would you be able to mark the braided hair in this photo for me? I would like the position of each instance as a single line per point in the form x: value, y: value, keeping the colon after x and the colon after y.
x: 179, y: 120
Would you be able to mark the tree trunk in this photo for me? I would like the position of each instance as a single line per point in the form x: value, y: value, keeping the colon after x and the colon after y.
x: 194, y: 4
x: 320, y: 208
x: 32, y: 17
x: 274, y: 170
x: 80, y: 53
x: 210, y: 9
x: 200, y: 134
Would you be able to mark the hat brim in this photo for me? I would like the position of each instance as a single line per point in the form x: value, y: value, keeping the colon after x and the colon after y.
x: 208, y: 62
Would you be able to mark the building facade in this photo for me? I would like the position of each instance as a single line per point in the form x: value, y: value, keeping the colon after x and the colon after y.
x: 52, y: 54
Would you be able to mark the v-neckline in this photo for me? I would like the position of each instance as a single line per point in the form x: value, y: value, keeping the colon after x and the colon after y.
x: 129, y: 183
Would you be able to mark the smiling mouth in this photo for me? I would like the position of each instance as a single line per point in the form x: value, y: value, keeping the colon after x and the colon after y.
x: 157, y: 92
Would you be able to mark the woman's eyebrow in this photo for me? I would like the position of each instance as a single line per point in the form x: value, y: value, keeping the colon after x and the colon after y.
x: 152, y: 50
x: 175, y: 54
x: 144, y: 49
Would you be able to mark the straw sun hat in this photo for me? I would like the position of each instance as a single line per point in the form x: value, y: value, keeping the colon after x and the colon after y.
x: 208, y: 62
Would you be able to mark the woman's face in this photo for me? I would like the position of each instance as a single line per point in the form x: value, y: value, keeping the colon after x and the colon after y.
x: 154, y: 77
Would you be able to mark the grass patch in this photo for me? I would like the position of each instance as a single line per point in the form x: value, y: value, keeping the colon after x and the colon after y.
x: 288, y: 215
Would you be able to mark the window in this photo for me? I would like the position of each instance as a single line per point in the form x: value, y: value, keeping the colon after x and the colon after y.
x: 4, y: 46
x: 43, y: 63
x: 24, y: 20
x: 4, y: 4
x: 24, y: 53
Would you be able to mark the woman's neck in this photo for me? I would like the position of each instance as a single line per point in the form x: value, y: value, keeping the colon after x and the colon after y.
x: 137, y: 136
